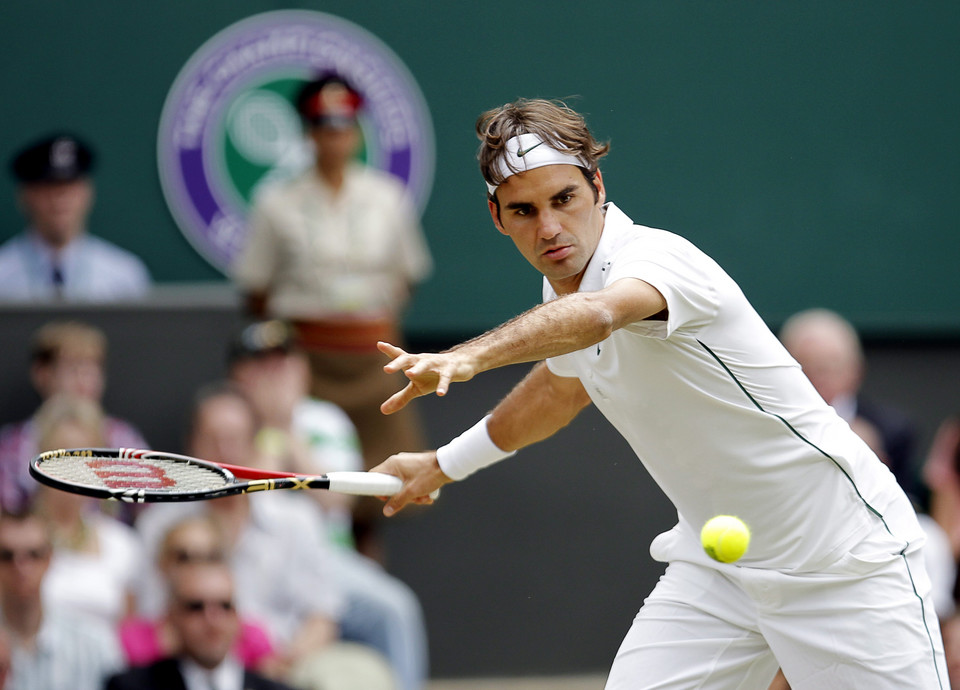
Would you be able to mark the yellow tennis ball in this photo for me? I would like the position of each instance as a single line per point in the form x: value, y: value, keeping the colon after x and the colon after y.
x: 725, y: 538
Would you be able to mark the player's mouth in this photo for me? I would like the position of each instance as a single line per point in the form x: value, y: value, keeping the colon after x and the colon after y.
x: 558, y: 253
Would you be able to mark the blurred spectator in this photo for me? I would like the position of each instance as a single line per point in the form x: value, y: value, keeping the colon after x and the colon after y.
x: 338, y: 251
x: 937, y: 553
x: 151, y: 636
x: 828, y: 349
x: 66, y: 357
x: 951, y: 646
x: 50, y: 649
x: 4, y: 657
x: 55, y: 257
x: 298, y: 432
x: 941, y: 472
x: 281, y: 562
x: 310, y: 436
x: 95, y: 557
x: 203, y: 616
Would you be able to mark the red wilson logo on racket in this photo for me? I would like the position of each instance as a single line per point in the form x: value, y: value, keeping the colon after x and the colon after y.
x: 120, y: 474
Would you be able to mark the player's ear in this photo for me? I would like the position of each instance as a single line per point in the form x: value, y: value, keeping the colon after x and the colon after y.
x: 494, y: 209
x: 601, y: 190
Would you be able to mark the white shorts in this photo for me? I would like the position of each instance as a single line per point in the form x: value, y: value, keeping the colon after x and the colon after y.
x: 861, y: 623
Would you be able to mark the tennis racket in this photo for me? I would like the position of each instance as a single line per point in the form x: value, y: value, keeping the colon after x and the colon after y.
x: 147, y: 476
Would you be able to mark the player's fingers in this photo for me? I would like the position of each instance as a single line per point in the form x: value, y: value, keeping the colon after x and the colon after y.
x: 399, y: 400
x: 443, y: 385
x: 396, y: 503
x: 390, y: 350
x: 400, y: 363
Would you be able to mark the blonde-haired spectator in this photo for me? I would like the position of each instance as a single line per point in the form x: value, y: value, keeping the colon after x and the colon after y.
x: 96, y: 557
x: 66, y: 358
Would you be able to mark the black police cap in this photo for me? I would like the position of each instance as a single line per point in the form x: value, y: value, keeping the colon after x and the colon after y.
x: 60, y: 158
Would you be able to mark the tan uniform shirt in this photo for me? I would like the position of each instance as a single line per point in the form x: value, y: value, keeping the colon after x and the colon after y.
x: 319, y: 256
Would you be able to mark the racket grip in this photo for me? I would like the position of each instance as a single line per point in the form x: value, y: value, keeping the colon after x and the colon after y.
x: 364, y: 483
x: 367, y: 484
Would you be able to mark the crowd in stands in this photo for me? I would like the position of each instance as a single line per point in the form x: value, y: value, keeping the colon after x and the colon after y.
x: 248, y: 591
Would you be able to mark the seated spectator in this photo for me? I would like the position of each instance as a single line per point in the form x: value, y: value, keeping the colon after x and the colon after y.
x: 203, y: 617
x: 951, y: 646
x: 281, y: 562
x: 937, y: 554
x: 151, y: 636
x: 95, y: 557
x: 4, y: 657
x: 941, y: 472
x: 298, y: 433
x: 56, y: 258
x: 310, y: 436
x: 828, y: 349
x: 51, y: 649
x: 66, y: 357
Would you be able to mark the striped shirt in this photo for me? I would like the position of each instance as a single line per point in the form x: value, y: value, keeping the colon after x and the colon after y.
x: 71, y: 653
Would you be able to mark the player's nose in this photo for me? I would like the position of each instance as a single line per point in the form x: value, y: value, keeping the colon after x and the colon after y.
x: 549, y: 226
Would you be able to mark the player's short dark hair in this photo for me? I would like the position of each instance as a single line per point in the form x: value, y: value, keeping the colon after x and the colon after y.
x: 551, y: 120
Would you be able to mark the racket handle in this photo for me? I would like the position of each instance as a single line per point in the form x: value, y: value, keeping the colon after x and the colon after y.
x: 364, y: 483
x: 367, y: 484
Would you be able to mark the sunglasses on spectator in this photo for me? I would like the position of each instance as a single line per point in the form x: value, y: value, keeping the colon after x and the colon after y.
x: 36, y: 554
x: 201, y: 605
x: 184, y: 556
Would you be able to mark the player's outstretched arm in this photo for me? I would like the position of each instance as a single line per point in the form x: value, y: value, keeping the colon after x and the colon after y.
x: 540, y: 405
x: 566, y: 324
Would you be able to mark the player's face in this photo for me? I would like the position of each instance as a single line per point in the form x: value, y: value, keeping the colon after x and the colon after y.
x: 554, y: 217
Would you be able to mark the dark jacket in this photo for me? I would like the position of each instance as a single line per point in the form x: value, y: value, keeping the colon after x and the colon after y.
x: 165, y: 675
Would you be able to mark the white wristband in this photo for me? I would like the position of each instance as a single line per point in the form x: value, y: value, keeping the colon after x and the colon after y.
x: 470, y: 451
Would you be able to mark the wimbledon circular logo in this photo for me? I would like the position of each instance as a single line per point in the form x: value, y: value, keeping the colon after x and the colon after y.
x: 229, y: 126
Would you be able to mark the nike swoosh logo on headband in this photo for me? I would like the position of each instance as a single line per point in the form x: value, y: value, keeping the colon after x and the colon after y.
x: 523, y: 152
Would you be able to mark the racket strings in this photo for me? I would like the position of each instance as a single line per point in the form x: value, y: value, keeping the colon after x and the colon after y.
x: 151, y: 473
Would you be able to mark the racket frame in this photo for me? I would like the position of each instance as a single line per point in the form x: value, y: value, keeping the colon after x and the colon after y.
x: 256, y: 480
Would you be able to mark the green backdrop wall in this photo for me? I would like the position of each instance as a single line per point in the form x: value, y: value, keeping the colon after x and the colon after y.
x: 811, y: 147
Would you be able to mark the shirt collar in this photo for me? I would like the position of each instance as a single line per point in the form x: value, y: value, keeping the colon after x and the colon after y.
x: 227, y: 676
x: 48, y: 253
x: 614, y: 223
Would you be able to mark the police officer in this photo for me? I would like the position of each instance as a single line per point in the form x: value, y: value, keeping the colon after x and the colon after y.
x: 55, y: 257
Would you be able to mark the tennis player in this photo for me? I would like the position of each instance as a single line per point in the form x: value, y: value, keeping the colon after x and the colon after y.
x: 645, y: 326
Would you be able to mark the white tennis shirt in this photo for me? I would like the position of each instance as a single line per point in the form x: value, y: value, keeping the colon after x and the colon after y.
x: 723, y: 418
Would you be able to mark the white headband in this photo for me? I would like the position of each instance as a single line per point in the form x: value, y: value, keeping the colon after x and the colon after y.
x: 527, y: 152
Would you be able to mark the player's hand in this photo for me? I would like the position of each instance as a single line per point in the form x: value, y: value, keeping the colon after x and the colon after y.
x: 421, y: 476
x: 428, y: 373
